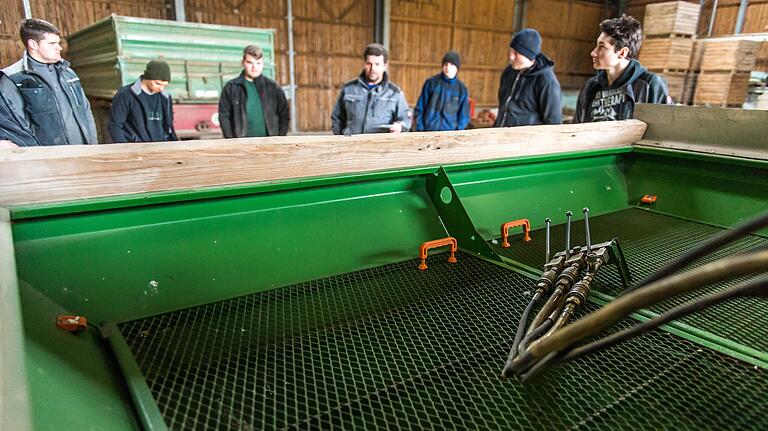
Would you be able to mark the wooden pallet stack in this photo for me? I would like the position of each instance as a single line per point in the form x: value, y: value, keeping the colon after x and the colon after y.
x: 725, y: 68
x: 670, y: 30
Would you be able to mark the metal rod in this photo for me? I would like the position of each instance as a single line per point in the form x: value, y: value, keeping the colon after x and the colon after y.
x: 387, y: 23
x: 568, y: 215
x: 586, y: 226
x: 741, y: 16
x: 27, y: 9
x: 291, y: 66
x: 712, y: 18
x: 179, y: 13
x: 146, y: 407
x: 547, y: 221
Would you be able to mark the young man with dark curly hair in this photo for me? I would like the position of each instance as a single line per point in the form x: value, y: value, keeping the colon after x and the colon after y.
x: 621, y: 81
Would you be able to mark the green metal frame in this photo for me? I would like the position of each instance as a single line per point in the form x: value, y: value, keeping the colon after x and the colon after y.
x: 154, y: 253
x: 454, y: 216
x: 149, y: 414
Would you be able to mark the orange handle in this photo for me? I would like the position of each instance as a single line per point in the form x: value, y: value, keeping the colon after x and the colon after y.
x: 449, y: 240
x: 72, y: 323
x: 510, y: 224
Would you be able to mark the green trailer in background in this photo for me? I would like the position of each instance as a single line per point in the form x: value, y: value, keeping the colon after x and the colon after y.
x: 274, y: 283
x: 203, y: 57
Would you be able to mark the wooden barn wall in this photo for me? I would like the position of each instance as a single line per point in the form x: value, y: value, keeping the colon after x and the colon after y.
x: 329, y: 37
x: 423, y: 30
x: 69, y: 16
x: 569, y: 30
x: 11, y: 12
x: 755, y: 20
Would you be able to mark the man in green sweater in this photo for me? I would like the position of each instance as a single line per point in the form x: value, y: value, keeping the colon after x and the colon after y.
x: 253, y: 105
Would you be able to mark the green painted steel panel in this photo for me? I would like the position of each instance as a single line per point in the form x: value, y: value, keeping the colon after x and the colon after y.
x: 114, y: 51
x: 123, y: 264
x: 720, y: 192
x: 539, y: 190
x: 73, y: 381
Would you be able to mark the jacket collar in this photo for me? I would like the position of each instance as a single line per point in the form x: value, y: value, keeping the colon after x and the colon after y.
x: 27, y: 60
x: 364, y: 82
x: 136, y: 89
x: 241, y: 78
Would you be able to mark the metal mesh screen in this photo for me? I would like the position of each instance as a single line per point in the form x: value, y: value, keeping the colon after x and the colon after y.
x: 649, y: 242
x: 394, y: 347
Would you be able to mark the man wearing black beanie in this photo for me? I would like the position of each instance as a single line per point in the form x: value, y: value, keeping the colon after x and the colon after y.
x: 143, y: 111
x: 444, y: 100
x: 529, y: 93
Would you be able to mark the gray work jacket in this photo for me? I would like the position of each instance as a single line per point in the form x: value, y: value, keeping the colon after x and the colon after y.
x: 41, y: 105
x: 363, y: 110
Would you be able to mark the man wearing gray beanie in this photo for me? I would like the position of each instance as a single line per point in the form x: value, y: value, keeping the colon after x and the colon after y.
x: 143, y: 111
x: 529, y: 92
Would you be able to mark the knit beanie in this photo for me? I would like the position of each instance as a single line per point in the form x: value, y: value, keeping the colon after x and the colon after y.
x: 157, y: 70
x: 453, y: 58
x: 527, y: 42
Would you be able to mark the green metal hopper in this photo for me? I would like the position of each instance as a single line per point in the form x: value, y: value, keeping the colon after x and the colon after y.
x: 296, y: 302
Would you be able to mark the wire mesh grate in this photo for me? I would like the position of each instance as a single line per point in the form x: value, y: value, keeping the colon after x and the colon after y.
x: 393, y: 347
x: 650, y: 241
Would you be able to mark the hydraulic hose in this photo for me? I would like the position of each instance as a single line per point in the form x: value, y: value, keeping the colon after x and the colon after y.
x: 757, y: 287
x: 752, y: 288
x: 704, y: 249
x: 521, y: 330
x: 602, y: 319
x: 521, y: 325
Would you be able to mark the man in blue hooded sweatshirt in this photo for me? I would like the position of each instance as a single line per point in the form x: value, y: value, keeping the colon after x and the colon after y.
x: 529, y: 92
x: 621, y: 81
x: 444, y: 100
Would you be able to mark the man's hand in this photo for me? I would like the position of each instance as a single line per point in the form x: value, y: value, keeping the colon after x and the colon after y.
x: 4, y: 143
x: 397, y: 127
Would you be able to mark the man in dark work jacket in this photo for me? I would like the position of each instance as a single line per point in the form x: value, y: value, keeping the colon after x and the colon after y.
x: 253, y: 105
x: 529, y: 92
x: 54, y: 101
x: 143, y: 111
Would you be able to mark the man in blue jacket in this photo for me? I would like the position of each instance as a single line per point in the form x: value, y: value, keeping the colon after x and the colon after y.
x: 54, y: 101
x: 444, y: 100
x: 143, y: 111
x: 621, y: 81
x: 529, y: 92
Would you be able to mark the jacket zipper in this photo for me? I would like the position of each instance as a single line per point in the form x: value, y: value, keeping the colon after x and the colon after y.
x: 367, y: 103
x: 512, y: 91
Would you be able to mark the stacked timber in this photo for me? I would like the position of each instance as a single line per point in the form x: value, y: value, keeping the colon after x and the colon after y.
x: 725, y: 68
x: 762, y: 57
x: 670, y: 30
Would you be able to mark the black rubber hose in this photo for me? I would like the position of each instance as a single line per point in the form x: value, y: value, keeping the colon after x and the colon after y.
x: 521, y: 330
x: 600, y: 320
x: 707, y: 247
x: 751, y: 288
x: 535, y: 334
x: 508, y: 367
x: 757, y: 287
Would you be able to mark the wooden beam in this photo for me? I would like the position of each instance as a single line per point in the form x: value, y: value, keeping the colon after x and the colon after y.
x: 722, y: 131
x: 14, y: 408
x: 66, y: 173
